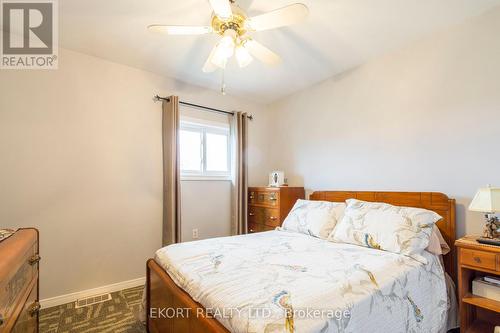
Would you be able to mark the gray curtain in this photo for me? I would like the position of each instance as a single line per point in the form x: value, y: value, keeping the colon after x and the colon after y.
x: 239, y: 132
x: 171, y: 172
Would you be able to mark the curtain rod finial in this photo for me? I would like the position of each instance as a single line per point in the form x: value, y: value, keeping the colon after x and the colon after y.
x: 158, y: 98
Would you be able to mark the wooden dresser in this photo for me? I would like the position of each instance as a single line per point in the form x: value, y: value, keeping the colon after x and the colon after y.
x: 269, y: 206
x: 477, y: 314
x: 19, y: 260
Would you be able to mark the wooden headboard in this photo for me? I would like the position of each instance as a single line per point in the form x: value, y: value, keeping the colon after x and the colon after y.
x: 437, y: 202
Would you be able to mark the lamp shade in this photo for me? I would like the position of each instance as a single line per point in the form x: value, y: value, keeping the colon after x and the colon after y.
x: 486, y: 200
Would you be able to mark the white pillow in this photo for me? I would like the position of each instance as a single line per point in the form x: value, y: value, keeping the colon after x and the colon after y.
x: 403, y: 230
x: 315, y: 218
x: 437, y: 244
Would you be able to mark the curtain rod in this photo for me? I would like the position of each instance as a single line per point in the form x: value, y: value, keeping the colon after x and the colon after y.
x: 206, y: 108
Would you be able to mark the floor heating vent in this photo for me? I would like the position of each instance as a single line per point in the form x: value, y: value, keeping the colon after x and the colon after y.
x: 82, y: 302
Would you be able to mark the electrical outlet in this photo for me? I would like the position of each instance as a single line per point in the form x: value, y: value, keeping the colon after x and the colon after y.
x: 195, y: 234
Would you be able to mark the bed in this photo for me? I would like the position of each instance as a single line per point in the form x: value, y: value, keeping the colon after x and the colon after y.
x: 280, y: 281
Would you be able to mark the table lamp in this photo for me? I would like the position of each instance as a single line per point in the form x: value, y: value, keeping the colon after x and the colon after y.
x: 487, y: 201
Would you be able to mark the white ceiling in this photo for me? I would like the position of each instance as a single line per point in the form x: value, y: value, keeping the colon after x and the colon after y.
x: 338, y: 35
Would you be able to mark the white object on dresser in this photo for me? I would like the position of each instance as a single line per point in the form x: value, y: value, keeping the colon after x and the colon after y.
x: 276, y: 178
x: 485, y: 289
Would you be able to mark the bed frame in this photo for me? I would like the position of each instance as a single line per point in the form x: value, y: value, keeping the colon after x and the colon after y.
x: 191, y: 317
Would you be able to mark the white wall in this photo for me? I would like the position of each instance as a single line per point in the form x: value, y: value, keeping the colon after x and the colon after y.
x: 81, y: 160
x: 200, y: 212
x: 421, y: 119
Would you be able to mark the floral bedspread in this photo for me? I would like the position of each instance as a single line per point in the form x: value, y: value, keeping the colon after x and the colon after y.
x: 281, y: 281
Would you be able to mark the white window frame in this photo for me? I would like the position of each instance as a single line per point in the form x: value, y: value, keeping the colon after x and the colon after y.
x: 204, y: 127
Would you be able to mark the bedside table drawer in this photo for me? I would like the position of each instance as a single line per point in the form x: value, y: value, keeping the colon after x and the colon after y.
x: 480, y: 259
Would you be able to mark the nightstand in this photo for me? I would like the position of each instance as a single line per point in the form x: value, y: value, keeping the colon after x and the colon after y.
x: 477, y: 314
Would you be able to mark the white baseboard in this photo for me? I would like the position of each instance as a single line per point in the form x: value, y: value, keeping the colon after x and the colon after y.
x: 68, y: 298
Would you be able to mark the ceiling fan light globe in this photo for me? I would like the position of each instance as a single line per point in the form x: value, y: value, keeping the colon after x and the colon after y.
x: 243, y: 57
x: 227, y: 46
x: 221, y: 54
x: 230, y: 36
x: 224, y: 49
x: 219, y: 62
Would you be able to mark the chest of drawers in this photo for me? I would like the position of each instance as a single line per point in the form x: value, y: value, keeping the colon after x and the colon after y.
x: 269, y: 206
x: 19, y: 282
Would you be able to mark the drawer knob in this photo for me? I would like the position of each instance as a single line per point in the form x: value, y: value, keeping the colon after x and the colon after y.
x: 477, y: 260
x: 251, y: 230
x: 251, y: 214
x: 273, y: 218
x: 273, y: 198
x: 34, y: 309
x: 35, y: 259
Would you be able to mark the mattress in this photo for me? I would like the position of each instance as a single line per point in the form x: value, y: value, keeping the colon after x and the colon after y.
x: 281, y: 281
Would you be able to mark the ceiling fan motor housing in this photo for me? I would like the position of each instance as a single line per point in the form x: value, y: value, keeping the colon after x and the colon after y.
x: 236, y: 22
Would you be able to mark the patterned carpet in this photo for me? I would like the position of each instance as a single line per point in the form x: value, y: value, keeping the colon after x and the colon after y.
x: 120, y: 314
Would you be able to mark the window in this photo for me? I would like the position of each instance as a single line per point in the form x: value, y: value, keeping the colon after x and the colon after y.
x: 204, y: 151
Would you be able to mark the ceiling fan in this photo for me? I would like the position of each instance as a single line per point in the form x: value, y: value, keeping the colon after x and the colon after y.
x: 233, y: 25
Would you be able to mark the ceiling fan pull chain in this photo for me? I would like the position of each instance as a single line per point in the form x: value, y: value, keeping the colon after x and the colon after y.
x: 223, y: 85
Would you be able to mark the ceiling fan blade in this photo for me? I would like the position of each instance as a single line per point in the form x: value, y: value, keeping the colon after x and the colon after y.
x: 180, y: 29
x: 278, y: 18
x: 222, y: 8
x: 209, y: 66
x: 262, y: 53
